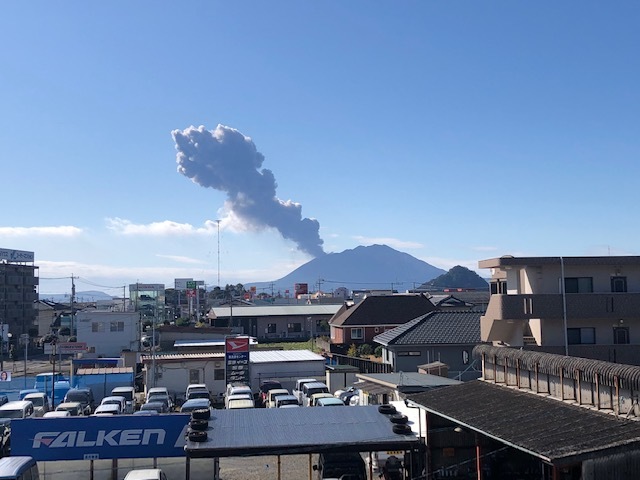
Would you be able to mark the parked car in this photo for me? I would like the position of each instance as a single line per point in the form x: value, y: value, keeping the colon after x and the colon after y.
x: 19, y: 468
x: 107, y: 409
x: 74, y: 408
x: 84, y: 396
x: 329, y: 402
x: 159, y: 407
x: 265, y: 386
x: 286, y: 400
x: 57, y: 414
x: 197, y: 390
x: 3, y: 399
x: 297, y: 390
x: 311, y: 388
x: 241, y: 403
x: 8, y: 412
x: 129, y: 394
x: 273, y: 393
x: 121, y: 402
x: 237, y: 389
x: 40, y: 402
x: 341, y: 465
x: 157, y: 394
x: 146, y: 474
x: 195, y: 404
x: 317, y: 396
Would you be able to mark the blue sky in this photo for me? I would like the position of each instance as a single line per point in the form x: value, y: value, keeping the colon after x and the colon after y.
x: 452, y: 131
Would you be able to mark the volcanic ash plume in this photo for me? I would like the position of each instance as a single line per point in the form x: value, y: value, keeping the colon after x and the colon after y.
x: 226, y: 160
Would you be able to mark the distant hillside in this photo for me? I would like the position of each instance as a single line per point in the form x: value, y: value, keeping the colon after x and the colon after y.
x: 81, y: 297
x: 457, y: 277
x: 374, y: 267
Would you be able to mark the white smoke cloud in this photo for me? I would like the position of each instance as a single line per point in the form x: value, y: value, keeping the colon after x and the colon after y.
x: 226, y: 160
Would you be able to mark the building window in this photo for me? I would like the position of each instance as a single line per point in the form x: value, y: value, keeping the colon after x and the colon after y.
x: 578, y: 285
x: 117, y: 327
x: 408, y: 354
x: 499, y: 286
x: 581, y: 336
x: 294, y: 327
x: 357, y: 334
x: 97, y: 327
x: 272, y: 328
x: 194, y: 375
x: 218, y: 374
x: 619, y: 284
x: 620, y: 335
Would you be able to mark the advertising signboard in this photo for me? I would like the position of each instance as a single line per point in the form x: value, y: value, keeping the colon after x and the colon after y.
x: 301, y: 289
x: 16, y: 255
x: 93, y: 438
x: 237, y: 359
x: 72, y: 347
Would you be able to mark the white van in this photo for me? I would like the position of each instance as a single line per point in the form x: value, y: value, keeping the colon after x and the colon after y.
x: 19, y: 468
x: 17, y: 409
x: 129, y: 394
x: 297, y: 390
x: 309, y: 389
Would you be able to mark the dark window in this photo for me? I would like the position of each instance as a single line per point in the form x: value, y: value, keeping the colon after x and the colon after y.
x: 499, y: 286
x: 272, y: 328
x: 618, y: 284
x: 294, y: 327
x: 408, y: 354
x: 620, y: 335
x: 581, y: 336
x: 218, y: 374
x: 194, y: 375
x: 578, y: 285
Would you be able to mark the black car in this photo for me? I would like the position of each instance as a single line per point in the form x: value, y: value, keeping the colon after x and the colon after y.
x: 265, y: 386
x: 343, y: 465
x: 83, y: 396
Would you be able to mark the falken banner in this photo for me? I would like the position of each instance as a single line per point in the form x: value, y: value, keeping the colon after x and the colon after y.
x: 237, y: 360
x: 94, y: 438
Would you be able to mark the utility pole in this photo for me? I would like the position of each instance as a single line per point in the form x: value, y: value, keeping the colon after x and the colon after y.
x: 73, y: 295
x: 218, y: 222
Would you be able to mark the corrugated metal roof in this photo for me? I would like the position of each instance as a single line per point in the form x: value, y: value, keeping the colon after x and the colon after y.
x: 270, y: 356
x: 274, y: 431
x: 261, y: 356
x: 104, y: 370
x: 550, y: 429
x: 414, y: 379
x: 276, y: 310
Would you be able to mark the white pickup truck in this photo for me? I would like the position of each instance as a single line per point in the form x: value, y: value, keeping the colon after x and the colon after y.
x: 297, y: 390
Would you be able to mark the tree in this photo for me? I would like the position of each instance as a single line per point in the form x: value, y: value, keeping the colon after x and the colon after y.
x: 364, y: 350
x: 353, y: 351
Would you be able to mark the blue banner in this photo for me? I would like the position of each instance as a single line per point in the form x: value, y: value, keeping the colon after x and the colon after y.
x: 93, y: 438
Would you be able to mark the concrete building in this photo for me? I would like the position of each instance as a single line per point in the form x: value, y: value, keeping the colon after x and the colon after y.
x: 439, y: 336
x: 581, y: 306
x: 18, y: 292
x: 275, y: 321
x: 108, y: 333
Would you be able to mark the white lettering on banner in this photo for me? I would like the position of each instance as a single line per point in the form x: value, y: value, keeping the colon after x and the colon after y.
x: 113, y: 438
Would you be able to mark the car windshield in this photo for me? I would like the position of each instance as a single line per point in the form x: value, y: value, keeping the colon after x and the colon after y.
x: 11, y: 413
x: 77, y: 396
x: 37, y: 401
x: 127, y: 394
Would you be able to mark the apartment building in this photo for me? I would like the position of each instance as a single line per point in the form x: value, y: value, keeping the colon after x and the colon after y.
x: 18, y: 291
x: 581, y: 306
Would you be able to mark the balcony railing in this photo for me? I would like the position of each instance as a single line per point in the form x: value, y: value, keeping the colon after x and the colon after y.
x: 578, y: 305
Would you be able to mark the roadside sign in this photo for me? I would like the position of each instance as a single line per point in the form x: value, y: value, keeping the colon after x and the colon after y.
x: 237, y: 359
x: 72, y: 347
x: 92, y: 438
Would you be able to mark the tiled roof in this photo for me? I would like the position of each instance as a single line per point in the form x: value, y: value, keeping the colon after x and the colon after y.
x: 436, y: 328
x: 550, y: 429
x: 383, y: 310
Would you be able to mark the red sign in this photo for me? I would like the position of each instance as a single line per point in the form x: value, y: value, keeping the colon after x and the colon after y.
x: 236, y: 344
